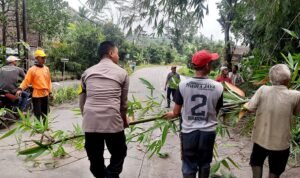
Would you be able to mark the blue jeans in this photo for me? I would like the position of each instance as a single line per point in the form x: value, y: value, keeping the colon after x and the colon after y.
x: 23, y: 101
x: 197, y: 153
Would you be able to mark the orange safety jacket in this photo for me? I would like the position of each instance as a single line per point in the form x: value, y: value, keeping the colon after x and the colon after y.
x: 40, y: 79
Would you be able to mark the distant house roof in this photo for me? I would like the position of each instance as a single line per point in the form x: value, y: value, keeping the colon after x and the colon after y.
x: 239, y: 52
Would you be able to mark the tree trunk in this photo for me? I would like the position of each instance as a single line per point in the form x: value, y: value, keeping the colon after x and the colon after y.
x: 4, y: 24
x: 40, y: 41
x: 18, y: 26
x: 227, y: 54
x: 25, y: 33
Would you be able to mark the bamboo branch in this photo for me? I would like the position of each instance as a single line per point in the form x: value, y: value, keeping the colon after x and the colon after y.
x: 140, y: 121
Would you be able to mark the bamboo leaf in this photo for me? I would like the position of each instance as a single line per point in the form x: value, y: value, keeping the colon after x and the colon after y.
x: 37, y: 154
x: 225, y: 163
x: 295, y: 73
x: 164, y: 134
x: 286, y: 60
x: 215, y: 167
x: 291, y: 60
x: 32, y: 150
x: 147, y: 83
x: 232, y: 162
x: 40, y: 144
x: 292, y: 33
x: 9, y: 133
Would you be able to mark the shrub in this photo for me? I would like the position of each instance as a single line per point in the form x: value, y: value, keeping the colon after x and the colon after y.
x: 65, y: 94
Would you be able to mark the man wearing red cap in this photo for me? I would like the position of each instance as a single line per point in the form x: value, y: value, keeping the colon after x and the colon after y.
x: 198, y: 100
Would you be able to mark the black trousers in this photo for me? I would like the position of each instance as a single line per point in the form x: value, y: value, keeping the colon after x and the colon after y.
x: 116, y: 145
x: 169, y: 92
x: 277, y: 159
x: 40, y: 107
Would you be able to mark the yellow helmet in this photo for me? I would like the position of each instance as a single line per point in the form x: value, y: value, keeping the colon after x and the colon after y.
x: 39, y: 52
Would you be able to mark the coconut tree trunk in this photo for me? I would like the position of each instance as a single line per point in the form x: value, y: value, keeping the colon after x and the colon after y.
x: 228, y: 53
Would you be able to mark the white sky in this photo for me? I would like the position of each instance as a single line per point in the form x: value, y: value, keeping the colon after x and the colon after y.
x: 210, y: 24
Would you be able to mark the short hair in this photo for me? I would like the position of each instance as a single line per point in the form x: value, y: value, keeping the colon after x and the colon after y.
x: 105, y: 47
x: 279, y: 73
x: 236, y: 66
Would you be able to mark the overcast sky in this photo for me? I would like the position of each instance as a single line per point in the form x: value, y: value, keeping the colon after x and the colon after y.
x: 210, y: 24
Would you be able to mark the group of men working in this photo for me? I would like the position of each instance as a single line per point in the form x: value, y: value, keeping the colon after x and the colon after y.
x: 38, y: 76
x: 103, y: 103
x: 197, y: 102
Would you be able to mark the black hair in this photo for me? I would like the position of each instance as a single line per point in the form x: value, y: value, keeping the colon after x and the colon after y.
x: 237, y: 67
x: 105, y: 47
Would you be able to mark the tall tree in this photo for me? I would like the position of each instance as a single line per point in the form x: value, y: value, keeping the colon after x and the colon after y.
x: 182, y: 29
x: 5, y: 7
x: 227, y: 12
x: 157, y: 13
x: 47, y: 17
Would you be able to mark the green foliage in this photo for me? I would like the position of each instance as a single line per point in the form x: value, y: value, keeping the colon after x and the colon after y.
x: 47, y: 17
x: 263, y: 31
x: 200, y: 43
x: 156, y: 54
x: 113, y: 33
x: 159, y: 12
x: 215, y: 168
x: 183, y: 29
x: 64, y: 94
x: 79, y: 44
x: 185, y: 71
x: 44, y: 140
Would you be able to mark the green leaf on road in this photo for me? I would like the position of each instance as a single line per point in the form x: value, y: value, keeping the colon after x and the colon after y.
x: 32, y: 150
x: 9, y: 133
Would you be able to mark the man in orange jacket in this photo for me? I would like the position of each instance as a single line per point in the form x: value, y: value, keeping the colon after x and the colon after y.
x: 39, y: 77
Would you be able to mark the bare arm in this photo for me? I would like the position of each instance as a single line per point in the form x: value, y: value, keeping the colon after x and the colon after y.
x: 175, y: 113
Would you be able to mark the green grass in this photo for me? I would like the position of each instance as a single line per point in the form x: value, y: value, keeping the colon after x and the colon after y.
x: 63, y: 95
x: 185, y: 71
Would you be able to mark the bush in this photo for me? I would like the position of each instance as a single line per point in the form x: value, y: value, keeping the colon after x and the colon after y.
x: 65, y: 94
x: 185, y: 71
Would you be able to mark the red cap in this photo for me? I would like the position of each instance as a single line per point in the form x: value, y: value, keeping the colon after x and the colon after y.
x: 203, y: 57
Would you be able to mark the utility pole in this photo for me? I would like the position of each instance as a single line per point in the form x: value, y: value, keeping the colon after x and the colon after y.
x: 18, y: 26
x: 25, y: 32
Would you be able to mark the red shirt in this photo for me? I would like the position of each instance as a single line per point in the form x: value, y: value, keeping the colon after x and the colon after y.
x: 222, y: 79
